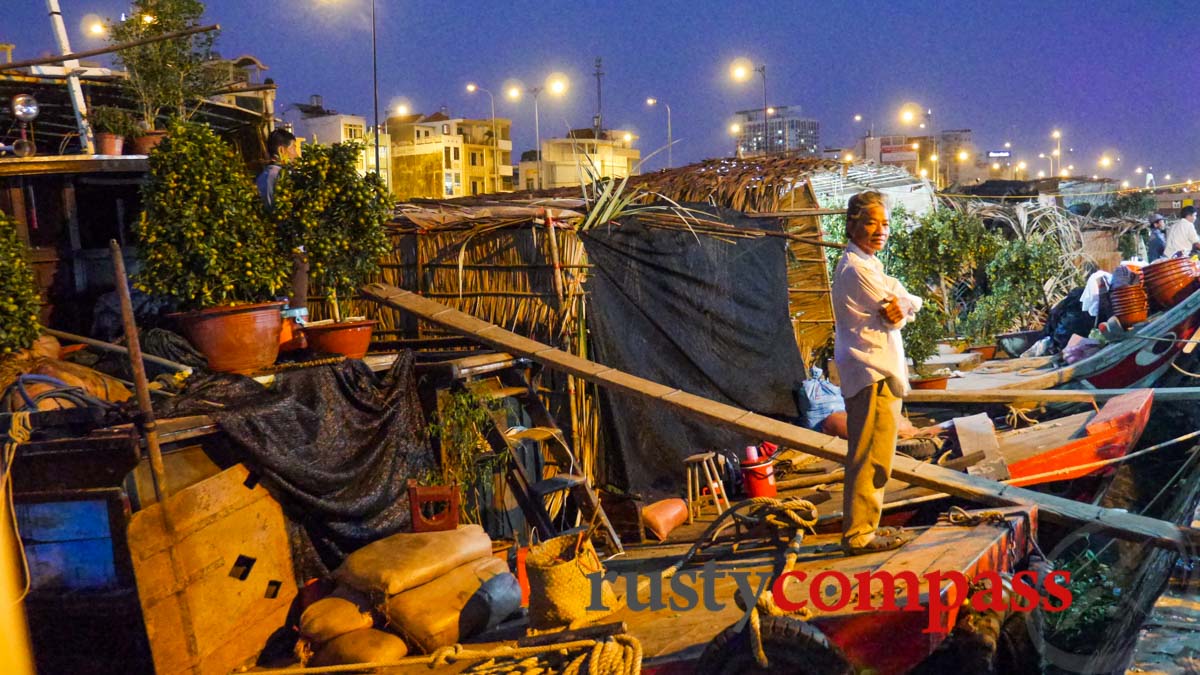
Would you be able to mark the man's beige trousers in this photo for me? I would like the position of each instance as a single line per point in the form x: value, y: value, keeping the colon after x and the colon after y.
x: 872, y: 419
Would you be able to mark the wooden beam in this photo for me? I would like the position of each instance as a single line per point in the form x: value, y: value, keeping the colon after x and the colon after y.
x: 1042, y: 395
x: 1055, y: 509
x: 17, y: 65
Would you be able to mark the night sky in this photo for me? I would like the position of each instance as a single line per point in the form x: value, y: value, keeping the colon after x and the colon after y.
x: 1121, y: 78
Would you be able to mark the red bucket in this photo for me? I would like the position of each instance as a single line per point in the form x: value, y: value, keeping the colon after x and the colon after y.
x: 759, y: 478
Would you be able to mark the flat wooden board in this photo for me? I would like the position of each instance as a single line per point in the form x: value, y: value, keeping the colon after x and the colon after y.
x: 214, y: 574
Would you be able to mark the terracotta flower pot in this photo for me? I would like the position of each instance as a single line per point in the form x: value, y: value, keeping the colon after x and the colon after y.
x: 142, y: 145
x: 985, y: 352
x: 235, y: 339
x: 109, y: 144
x: 351, y: 338
x: 934, y: 382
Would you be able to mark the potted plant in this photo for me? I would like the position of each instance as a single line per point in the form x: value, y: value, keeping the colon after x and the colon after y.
x: 112, y: 126
x: 174, y: 75
x: 19, y: 303
x: 1017, y: 279
x: 204, y: 240
x: 325, y: 207
x: 936, y: 256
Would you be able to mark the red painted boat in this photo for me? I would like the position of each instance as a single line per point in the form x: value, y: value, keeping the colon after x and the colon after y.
x: 1063, y: 449
x: 846, y: 639
x: 1136, y: 358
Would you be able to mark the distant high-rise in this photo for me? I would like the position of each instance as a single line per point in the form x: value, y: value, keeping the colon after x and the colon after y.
x: 785, y: 131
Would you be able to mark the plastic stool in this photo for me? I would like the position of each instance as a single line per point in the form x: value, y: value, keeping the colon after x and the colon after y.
x: 702, y: 471
x: 424, y: 502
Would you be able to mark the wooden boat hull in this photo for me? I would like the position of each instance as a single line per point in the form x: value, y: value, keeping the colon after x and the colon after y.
x: 886, y: 642
x: 1138, y: 360
x: 1051, y: 452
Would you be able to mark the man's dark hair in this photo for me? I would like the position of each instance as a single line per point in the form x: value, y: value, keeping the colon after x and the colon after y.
x: 278, y: 140
x: 1187, y: 211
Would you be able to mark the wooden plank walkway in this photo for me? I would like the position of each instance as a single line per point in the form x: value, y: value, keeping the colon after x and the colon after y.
x: 1055, y: 509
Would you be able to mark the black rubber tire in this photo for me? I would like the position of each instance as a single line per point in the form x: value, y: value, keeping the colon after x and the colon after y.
x: 791, y: 646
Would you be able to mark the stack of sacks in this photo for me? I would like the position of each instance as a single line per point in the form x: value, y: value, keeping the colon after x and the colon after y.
x: 340, y: 628
x: 437, y: 588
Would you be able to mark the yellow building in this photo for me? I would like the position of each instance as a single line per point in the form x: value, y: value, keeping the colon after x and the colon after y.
x: 435, y: 157
x: 610, y: 156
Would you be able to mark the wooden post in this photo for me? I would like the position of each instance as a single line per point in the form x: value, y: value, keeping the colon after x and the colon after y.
x: 139, y: 375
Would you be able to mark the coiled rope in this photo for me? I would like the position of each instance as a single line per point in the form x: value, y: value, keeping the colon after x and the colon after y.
x: 789, y: 515
x: 19, y: 430
x: 613, y: 655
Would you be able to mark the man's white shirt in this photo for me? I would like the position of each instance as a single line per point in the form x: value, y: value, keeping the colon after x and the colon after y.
x: 867, y: 347
x: 1180, y: 237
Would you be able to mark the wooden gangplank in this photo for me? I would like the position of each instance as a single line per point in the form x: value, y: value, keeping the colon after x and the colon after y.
x: 1055, y: 509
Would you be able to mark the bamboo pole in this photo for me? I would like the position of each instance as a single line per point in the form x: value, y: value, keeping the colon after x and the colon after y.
x: 110, y: 347
x: 16, y: 65
x: 142, y: 387
x: 1042, y: 395
x: 1055, y: 509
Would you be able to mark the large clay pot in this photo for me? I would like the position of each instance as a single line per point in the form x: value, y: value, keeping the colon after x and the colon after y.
x: 934, y: 382
x: 142, y: 145
x: 985, y: 352
x: 109, y: 144
x: 1129, y: 304
x: 235, y: 339
x: 351, y: 338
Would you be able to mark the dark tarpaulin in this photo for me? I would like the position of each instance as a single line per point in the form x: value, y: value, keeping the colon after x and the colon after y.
x: 703, y: 315
x: 335, y: 444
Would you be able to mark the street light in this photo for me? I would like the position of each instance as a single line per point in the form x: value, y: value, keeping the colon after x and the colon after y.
x: 1057, y: 136
x: 556, y: 84
x: 472, y: 88
x: 741, y: 70
x: 1105, y: 162
x: 911, y: 113
x: 402, y: 110
x: 653, y: 101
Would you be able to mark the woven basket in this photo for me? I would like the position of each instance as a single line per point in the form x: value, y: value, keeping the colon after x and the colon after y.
x: 559, y: 588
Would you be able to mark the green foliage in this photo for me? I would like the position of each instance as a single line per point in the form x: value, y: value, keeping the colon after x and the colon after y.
x: 170, y: 74
x: 1016, y: 284
x: 1095, y: 601
x: 203, y: 238
x: 467, y: 456
x: 18, y: 293
x: 931, y: 255
x: 107, y: 119
x: 322, y: 203
x: 1137, y: 205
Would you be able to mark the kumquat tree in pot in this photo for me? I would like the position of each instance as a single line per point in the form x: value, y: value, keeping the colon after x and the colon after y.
x: 204, y: 241
x: 335, y: 215
x: 18, y: 293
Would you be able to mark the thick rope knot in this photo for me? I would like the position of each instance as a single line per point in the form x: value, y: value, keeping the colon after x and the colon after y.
x: 444, y: 656
x: 957, y: 515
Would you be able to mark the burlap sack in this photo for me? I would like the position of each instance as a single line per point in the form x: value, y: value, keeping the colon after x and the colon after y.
x: 455, y: 606
x: 560, y: 583
x: 345, y: 611
x: 403, y: 561
x: 361, y: 646
x: 663, y: 516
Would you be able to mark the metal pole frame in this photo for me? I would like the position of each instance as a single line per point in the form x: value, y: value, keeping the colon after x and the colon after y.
x: 375, y: 86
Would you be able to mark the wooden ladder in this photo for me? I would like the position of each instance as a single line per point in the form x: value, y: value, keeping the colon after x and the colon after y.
x: 571, y: 479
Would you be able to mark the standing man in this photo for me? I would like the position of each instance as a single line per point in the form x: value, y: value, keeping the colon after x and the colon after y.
x: 281, y: 147
x: 1158, y: 238
x: 1182, y: 237
x: 869, y: 309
